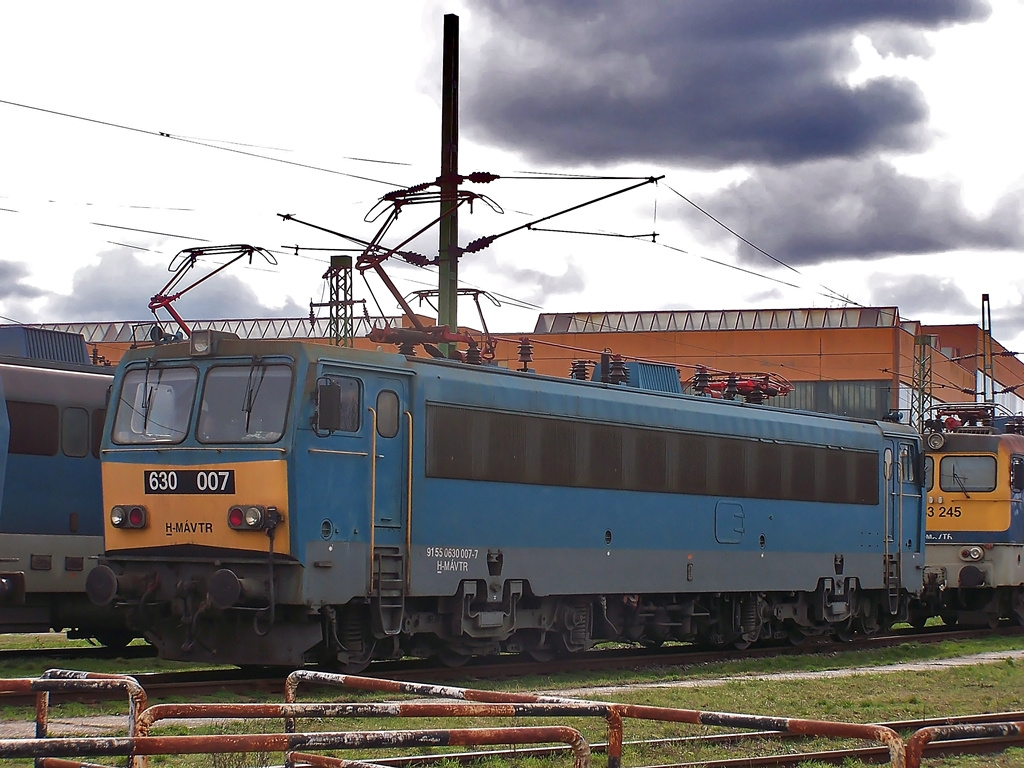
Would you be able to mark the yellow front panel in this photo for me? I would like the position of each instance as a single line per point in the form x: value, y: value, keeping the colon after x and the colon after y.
x: 194, y: 517
x: 981, y: 512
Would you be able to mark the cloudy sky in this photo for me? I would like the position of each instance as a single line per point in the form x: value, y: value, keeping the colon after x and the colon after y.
x: 815, y: 154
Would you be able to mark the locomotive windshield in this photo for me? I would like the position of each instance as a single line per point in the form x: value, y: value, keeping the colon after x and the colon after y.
x: 967, y: 473
x: 244, y: 403
x: 239, y: 404
x: 155, y: 405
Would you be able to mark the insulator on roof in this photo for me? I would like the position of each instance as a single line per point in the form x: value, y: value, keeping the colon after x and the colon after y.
x: 525, y: 353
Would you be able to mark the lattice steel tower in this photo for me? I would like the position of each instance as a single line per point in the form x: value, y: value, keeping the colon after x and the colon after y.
x: 340, y: 324
x: 921, y: 388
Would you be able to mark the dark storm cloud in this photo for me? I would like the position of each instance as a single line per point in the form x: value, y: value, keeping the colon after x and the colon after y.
x: 531, y: 285
x: 1008, y: 323
x: 920, y: 295
x: 842, y: 209
x: 706, y: 84
x: 12, y: 273
x: 119, y: 287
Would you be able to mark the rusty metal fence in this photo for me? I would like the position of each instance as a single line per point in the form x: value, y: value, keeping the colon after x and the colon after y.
x: 306, y: 748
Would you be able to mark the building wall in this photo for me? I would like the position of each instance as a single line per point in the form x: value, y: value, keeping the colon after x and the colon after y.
x: 855, y: 370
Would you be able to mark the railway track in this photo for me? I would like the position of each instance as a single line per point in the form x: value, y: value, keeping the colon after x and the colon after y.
x: 752, y: 744
x: 190, y: 684
x: 18, y: 655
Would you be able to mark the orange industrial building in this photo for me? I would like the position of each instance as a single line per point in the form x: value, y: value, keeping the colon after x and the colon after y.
x: 863, y: 361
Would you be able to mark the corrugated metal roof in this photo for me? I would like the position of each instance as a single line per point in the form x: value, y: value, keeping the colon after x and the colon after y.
x: 43, y: 344
x: 269, y: 328
x: 717, y: 320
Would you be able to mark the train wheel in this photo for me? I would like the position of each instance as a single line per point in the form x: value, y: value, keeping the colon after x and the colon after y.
x: 537, y: 645
x: 354, y: 667
x: 114, y: 639
x: 843, y: 632
x: 357, y: 638
x: 451, y: 658
x: 795, y: 637
x: 542, y: 654
x: 917, y: 620
x: 1017, y: 607
x: 949, y: 619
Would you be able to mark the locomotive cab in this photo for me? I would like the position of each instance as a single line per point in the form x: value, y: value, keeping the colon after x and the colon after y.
x: 974, y: 479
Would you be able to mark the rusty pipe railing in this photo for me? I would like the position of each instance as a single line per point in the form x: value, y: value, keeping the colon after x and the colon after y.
x: 474, y: 703
x: 383, y: 685
x: 65, y: 680
x: 291, y: 742
x: 366, y: 709
x: 614, y: 713
x: 61, y: 762
x: 916, y: 744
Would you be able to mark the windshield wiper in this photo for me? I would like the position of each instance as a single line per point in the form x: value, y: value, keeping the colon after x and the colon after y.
x: 959, y: 481
x: 147, y: 398
x: 252, y: 388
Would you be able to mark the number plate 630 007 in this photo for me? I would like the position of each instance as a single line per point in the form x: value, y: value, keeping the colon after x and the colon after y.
x: 189, y: 480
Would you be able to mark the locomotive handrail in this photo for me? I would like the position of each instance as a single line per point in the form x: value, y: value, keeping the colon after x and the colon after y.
x: 338, y: 453
x: 203, y: 448
x: 408, y: 509
x: 373, y: 494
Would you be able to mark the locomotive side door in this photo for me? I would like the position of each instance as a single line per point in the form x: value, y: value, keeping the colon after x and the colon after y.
x: 388, y: 432
x: 902, y: 500
x: 363, y: 417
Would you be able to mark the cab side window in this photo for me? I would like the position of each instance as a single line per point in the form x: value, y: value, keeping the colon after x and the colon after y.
x: 387, y: 413
x: 908, y: 472
x: 1017, y: 474
x: 351, y: 393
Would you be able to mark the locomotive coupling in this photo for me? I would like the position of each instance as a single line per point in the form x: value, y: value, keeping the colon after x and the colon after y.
x: 12, y: 588
x: 226, y: 589
x: 102, y: 585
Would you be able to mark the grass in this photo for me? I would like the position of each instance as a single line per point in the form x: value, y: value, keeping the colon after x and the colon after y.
x: 738, y: 686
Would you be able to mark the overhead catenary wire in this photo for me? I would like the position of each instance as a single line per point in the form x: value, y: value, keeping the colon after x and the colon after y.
x: 525, y: 175
x: 834, y: 294
x: 133, y: 247
x: 166, y: 135
x: 148, y: 231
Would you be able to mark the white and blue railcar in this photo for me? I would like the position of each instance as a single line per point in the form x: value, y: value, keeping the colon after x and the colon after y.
x: 51, y: 512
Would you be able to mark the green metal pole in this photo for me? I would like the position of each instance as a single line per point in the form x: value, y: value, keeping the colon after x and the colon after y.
x: 448, y: 232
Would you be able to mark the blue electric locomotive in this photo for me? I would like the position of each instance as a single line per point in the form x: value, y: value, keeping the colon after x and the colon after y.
x: 277, y: 503
x: 51, y: 514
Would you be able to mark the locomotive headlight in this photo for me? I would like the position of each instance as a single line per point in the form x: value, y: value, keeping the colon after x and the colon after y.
x: 247, y: 518
x: 254, y: 517
x: 128, y: 517
x: 972, y: 554
x: 137, y: 517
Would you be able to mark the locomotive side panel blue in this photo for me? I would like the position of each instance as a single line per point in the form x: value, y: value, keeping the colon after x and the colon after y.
x: 587, y: 539
x: 5, y: 436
